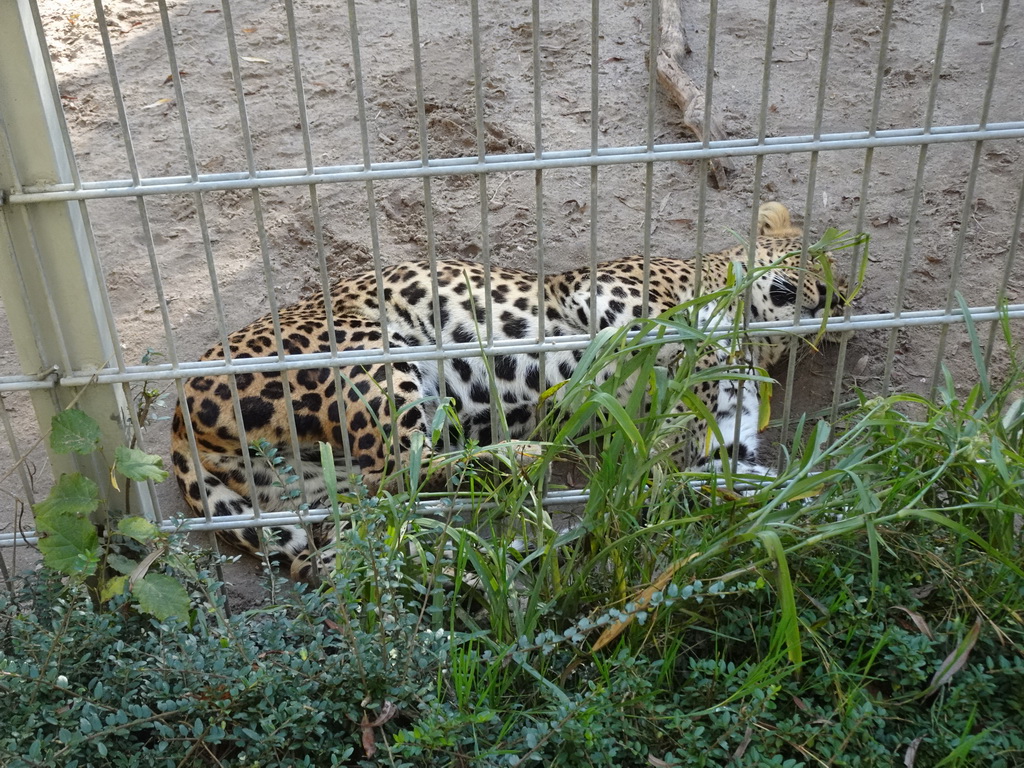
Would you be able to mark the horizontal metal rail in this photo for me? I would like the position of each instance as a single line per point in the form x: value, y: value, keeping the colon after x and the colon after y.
x: 437, y: 508
x: 16, y: 383
x: 164, y: 371
x: 432, y: 508
x: 515, y: 162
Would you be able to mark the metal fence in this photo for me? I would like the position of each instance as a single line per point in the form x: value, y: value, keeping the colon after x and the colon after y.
x: 172, y: 170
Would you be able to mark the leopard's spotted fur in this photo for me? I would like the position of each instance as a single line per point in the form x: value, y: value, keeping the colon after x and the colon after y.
x: 409, y: 302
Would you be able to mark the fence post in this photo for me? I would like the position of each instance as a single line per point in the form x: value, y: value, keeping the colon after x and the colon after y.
x: 53, y: 295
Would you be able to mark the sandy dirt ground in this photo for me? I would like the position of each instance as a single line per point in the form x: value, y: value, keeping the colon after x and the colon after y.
x: 283, y: 231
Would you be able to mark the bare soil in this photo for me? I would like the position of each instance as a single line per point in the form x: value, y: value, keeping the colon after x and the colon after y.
x: 282, y: 232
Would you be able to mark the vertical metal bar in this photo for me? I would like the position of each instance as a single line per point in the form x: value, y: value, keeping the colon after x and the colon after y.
x: 1011, y: 258
x: 481, y: 151
x: 201, y: 216
x: 539, y: 197
x: 371, y: 202
x: 16, y: 455
x: 880, y: 70
x: 901, y: 287
x: 961, y: 240
x: 421, y: 114
x: 762, y: 120
x: 268, y: 268
x: 122, y: 117
x: 652, y: 93
x: 538, y: 140
x: 762, y: 130
x: 538, y: 148
x: 826, y: 57
x: 300, y: 93
x: 595, y: 129
x: 318, y: 228
x: 704, y: 166
x: 485, y: 226
x: 219, y: 314
x: 428, y: 215
x: 364, y: 140
x: 261, y: 234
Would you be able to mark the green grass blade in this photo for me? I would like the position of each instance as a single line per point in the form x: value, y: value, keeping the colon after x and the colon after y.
x: 788, y: 627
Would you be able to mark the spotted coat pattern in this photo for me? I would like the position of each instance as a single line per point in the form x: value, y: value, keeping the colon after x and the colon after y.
x: 360, y: 412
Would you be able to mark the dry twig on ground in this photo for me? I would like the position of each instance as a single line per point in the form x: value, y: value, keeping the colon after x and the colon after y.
x: 683, y: 90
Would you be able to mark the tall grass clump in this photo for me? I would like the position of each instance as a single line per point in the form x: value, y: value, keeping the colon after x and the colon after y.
x: 863, y: 608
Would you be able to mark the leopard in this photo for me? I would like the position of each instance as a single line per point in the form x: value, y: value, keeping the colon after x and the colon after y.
x: 370, y: 412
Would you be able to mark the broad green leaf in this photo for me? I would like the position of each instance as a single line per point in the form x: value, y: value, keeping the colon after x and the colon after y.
x: 69, y: 544
x: 138, y: 465
x: 120, y: 563
x: 113, y: 587
x: 137, y: 528
x: 74, y: 495
x: 74, y: 431
x: 162, y: 596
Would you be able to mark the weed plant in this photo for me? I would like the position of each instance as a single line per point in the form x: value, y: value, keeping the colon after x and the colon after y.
x: 863, y: 608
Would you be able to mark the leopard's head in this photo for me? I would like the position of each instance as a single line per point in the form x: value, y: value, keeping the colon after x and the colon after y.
x: 785, y: 289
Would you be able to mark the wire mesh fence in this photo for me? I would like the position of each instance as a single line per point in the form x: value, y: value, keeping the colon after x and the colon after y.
x: 223, y: 159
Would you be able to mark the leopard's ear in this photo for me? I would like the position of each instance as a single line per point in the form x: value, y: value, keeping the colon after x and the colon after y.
x: 773, y: 220
x: 782, y: 290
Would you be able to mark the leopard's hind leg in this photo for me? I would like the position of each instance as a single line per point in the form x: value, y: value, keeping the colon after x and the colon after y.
x: 221, y: 477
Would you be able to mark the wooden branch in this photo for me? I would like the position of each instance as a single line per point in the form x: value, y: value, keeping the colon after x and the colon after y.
x: 683, y: 90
